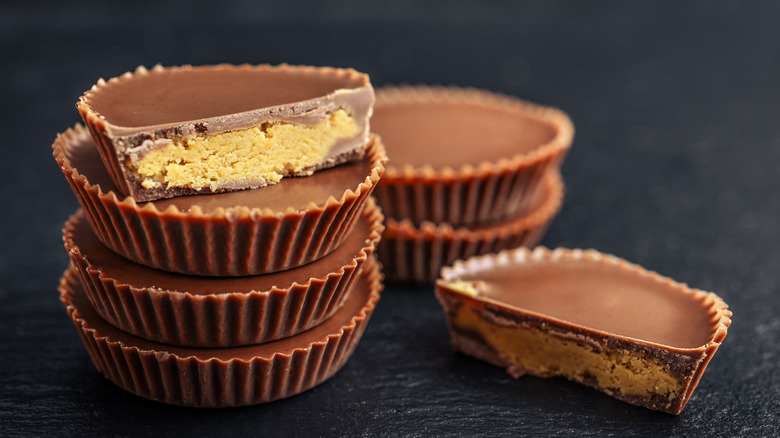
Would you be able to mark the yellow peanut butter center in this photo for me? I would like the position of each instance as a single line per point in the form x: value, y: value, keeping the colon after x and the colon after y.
x: 540, y: 353
x: 263, y: 153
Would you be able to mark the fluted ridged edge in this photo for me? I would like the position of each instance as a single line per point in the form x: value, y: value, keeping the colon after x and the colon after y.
x: 226, y: 242
x: 210, y: 382
x: 416, y: 254
x: 220, y: 319
x: 710, y: 302
x: 473, y: 194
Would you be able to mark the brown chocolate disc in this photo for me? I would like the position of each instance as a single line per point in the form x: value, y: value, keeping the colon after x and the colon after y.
x: 249, y: 232
x: 465, y: 157
x: 221, y: 377
x: 590, y: 317
x: 416, y: 254
x: 199, y: 311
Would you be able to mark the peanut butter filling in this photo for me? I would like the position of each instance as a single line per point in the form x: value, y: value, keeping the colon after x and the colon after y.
x: 264, y: 153
x: 539, y: 353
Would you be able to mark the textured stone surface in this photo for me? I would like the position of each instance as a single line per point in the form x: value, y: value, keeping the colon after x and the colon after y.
x: 674, y: 167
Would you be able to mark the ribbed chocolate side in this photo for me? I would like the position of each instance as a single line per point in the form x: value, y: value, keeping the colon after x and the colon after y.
x: 220, y: 319
x: 96, y: 127
x: 412, y: 254
x: 225, y: 243
x: 685, y: 364
x: 464, y: 201
x: 477, y: 194
x: 160, y: 375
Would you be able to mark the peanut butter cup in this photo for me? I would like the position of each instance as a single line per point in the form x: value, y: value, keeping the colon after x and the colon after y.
x: 222, y: 377
x: 417, y: 254
x: 592, y: 318
x: 185, y: 130
x: 463, y: 156
x: 247, y: 232
x: 217, y: 311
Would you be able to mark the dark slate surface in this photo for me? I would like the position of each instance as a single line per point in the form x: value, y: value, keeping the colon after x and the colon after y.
x: 674, y: 167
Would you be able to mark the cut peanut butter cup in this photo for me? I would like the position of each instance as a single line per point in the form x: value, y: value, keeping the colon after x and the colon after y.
x: 194, y: 311
x: 417, y: 254
x: 247, y: 232
x: 592, y: 318
x: 186, y: 130
x: 222, y: 377
x: 465, y: 157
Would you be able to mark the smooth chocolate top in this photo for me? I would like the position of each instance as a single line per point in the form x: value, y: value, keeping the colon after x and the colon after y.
x: 174, y: 95
x: 294, y: 192
x: 361, y: 293
x: 601, y: 297
x: 453, y: 134
x: 123, y: 271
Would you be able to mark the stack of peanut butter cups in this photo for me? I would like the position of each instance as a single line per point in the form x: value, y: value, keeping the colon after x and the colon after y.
x: 471, y: 172
x: 227, y: 297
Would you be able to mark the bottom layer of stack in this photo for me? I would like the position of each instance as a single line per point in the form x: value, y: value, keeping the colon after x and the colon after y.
x: 222, y: 377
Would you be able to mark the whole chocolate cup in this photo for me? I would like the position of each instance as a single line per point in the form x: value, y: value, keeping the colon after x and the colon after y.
x: 224, y: 377
x: 463, y: 156
x: 593, y: 318
x: 416, y: 254
x: 249, y: 232
x: 217, y: 311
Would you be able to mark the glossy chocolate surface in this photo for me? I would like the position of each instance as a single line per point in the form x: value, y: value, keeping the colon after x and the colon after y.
x: 123, y: 271
x: 180, y: 94
x: 361, y: 295
x: 138, y: 112
x: 295, y: 193
x: 600, y: 296
x: 452, y: 134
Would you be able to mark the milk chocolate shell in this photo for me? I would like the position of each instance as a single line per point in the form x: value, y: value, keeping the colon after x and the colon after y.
x: 465, y: 157
x: 217, y: 311
x: 222, y: 377
x: 186, y: 130
x: 417, y: 254
x: 592, y: 318
x: 247, y: 232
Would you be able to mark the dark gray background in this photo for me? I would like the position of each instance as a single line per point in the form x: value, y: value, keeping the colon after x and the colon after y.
x: 674, y: 166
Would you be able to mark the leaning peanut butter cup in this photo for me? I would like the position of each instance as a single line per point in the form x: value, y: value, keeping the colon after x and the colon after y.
x: 217, y: 311
x: 247, y: 232
x: 463, y: 156
x: 187, y: 130
x: 416, y: 254
x: 223, y: 377
x: 586, y: 316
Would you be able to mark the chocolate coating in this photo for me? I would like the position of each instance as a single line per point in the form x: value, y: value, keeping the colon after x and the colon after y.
x: 248, y: 232
x: 176, y: 95
x: 465, y: 157
x: 417, y: 254
x: 592, y: 318
x: 359, y: 296
x: 123, y: 271
x: 217, y: 311
x: 440, y: 134
x: 130, y: 115
x: 295, y: 193
x: 221, y: 377
x: 601, y: 298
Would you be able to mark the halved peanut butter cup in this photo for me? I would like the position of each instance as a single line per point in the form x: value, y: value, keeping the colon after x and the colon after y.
x: 193, y: 311
x: 463, y: 156
x: 592, y: 318
x: 187, y: 130
x: 247, y: 232
x: 417, y: 254
x: 222, y: 377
